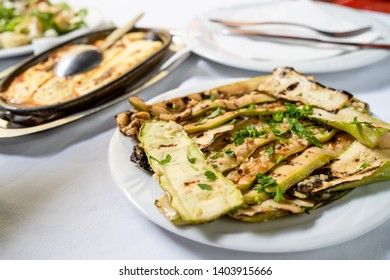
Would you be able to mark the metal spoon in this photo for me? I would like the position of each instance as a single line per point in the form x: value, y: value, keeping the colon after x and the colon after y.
x: 86, y: 57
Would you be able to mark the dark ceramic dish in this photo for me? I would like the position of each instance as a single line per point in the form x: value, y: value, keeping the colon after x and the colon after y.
x: 37, y: 115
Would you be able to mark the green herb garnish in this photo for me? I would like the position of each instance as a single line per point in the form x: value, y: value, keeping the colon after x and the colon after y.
x: 355, y: 121
x: 270, y: 151
x: 278, y: 194
x: 210, y: 175
x: 205, y: 187
x: 191, y: 159
x: 163, y: 161
x: 364, y: 166
x: 301, y: 131
x: 278, y: 116
x: 217, y: 155
x: 263, y: 181
x: 232, y: 122
x: 215, y: 113
x: 212, y: 97
x: 229, y: 153
x: 247, y: 132
x: 251, y: 107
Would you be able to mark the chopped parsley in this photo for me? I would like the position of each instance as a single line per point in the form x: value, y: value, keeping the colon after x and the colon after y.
x: 276, y: 131
x: 278, y: 116
x: 292, y: 114
x: 251, y: 107
x: 217, y: 155
x: 355, y: 121
x: 212, y: 97
x: 292, y: 111
x: 215, y: 113
x: 210, y: 175
x: 270, y: 151
x: 247, y: 132
x: 302, y: 131
x: 163, y: 161
x: 205, y: 187
x: 229, y: 153
x: 194, y: 168
x: 232, y: 121
x: 364, y: 166
x: 278, y: 194
x: 191, y: 159
x: 281, y: 139
x: 263, y: 182
x: 215, y: 166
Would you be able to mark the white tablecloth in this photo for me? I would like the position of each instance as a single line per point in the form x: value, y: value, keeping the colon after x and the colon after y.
x: 58, y: 199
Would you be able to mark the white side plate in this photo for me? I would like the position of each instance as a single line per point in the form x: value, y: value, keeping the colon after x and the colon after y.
x: 207, y: 39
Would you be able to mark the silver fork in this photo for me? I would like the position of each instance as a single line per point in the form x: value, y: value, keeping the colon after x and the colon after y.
x: 342, y: 34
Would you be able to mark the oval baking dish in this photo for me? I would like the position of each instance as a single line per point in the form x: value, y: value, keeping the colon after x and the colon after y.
x: 34, y: 114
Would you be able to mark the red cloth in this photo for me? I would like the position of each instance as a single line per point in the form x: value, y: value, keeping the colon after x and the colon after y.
x: 372, y: 5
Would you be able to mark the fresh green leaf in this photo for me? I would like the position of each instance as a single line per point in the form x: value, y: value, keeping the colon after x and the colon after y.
x: 210, y: 175
x: 251, y: 107
x: 191, y: 159
x: 215, y: 113
x: 82, y: 13
x: 229, y: 153
x: 264, y: 181
x: 355, y: 121
x: 167, y: 159
x: 364, y: 165
x: 232, y: 122
x: 194, y: 168
x: 278, y: 116
x: 301, y: 131
x: 217, y: 155
x: 247, y: 132
x: 278, y: 194
x: 279, y: 159
x: 238, y: 138
x: 281, y: 139
x: 270, y: 151
x: 205, y: 187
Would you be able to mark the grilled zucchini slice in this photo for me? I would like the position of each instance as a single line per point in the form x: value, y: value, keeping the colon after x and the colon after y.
x: 194, y: 188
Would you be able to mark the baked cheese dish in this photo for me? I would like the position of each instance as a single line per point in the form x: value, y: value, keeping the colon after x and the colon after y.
x: 39, y: 86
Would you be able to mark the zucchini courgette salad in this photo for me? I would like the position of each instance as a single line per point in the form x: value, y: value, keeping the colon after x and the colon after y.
x: 258, y: 149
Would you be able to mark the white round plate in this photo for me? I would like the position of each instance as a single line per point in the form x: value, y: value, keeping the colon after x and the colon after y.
x: 357, y: 213
x: 93, y: 20
x: 208, y: 40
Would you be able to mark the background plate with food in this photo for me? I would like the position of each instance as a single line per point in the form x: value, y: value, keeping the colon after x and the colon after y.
x: 34, y: 26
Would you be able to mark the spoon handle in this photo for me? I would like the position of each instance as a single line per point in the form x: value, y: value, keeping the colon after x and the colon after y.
x: 118, y: 33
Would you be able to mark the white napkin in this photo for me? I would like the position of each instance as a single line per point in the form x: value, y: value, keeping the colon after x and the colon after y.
x: 299, y: 11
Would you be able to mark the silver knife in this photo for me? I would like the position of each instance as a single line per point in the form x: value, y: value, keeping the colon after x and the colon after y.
x: 166, y: 68
x: 256, y: 34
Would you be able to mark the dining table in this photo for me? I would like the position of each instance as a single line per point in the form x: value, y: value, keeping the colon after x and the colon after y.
x: 58, y: 197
